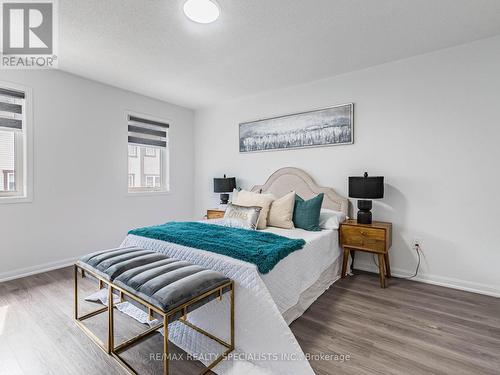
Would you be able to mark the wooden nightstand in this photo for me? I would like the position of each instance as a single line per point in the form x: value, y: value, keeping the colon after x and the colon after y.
x: 372, y: 238
x: 215, y: 213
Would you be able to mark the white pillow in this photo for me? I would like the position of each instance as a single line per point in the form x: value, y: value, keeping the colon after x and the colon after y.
x: 235, y: 195
x: 281, y: 212
x: 248, y: 199
x: 330, y: 219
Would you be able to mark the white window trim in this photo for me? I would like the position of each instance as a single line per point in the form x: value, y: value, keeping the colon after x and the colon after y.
x: 27, y: 166
x: 136, y: 192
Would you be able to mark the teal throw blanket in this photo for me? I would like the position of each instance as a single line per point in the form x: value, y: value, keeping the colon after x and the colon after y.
x: 263, y: 249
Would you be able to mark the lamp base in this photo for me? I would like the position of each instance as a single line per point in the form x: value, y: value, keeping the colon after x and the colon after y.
x: 224, y: 198
x: 364, y: 213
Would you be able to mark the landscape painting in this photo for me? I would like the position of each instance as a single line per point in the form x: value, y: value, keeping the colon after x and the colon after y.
x: 323, y: 127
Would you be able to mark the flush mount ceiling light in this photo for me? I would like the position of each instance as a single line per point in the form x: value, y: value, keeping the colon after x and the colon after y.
x: 201, y: 11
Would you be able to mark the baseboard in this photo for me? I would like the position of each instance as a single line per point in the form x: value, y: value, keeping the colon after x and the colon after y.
x: 467, y: 286
x: 28, y: 271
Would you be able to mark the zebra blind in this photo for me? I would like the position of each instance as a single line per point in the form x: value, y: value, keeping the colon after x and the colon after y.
x: 147, y: 132
x: 11, y: 109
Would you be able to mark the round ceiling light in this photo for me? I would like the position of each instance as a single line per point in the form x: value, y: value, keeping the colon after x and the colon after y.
x: 201, y: 11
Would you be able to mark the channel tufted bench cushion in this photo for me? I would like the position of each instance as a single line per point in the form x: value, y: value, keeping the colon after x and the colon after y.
x: 163, y: 282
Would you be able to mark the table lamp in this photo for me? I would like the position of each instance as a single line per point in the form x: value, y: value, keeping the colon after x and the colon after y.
x: 366, y: 188
x: 224, y: 186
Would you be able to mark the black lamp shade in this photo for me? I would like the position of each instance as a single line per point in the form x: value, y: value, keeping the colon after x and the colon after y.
x: 224, y: 185
x: 366, y: 187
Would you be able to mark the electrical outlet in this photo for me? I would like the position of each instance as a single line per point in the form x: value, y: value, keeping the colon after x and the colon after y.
x: 417, y: 244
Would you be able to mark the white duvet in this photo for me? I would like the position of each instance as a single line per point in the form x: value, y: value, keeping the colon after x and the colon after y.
x: 301, y: 269
x: 264, y: 342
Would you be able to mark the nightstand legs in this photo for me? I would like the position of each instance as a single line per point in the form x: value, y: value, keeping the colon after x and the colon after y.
x: 344, y: 262
x: 381, y: 269
x: 387, y: 265
x: 352, y: 260
x: 384, y: 268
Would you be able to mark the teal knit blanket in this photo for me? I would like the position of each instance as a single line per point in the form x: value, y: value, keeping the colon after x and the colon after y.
x: 263, y: 249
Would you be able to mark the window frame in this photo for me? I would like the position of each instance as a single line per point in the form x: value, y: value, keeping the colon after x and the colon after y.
x: 164, y: 156
x: 24, y: 164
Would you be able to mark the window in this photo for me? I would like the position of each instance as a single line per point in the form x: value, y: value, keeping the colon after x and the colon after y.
x: 150, y: 152
x: 11, y: 181
x: 148, y: 163
x: 132, y: 151
x: 131, y: 179
x: 13, y: 129
x: 153, y: 181
x: 150, y: 181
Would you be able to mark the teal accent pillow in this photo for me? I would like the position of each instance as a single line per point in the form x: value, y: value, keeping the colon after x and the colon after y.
x: 306, y: 213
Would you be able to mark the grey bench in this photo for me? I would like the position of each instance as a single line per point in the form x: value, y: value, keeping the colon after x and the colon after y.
x: 167, y: 287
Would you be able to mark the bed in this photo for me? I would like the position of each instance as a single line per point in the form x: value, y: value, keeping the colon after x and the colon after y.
x: 265, y: 304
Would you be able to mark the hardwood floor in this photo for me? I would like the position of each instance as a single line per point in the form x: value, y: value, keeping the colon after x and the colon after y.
x: 38, y: 334
x: 408, y: 328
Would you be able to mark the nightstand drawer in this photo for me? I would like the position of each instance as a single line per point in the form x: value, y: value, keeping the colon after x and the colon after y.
x: 364, y: 237
x: 215, y: 214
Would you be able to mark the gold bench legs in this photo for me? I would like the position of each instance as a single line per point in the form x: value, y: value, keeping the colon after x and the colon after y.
x: 79, y: 319
x: 166, y: 317
x: 166, y: 360
x: 115, y: 350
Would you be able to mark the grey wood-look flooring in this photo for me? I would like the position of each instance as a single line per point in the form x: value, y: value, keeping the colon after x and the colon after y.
x: 408, y: 328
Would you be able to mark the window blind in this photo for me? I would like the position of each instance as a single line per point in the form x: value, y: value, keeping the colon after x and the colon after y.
x: 147, y: 132
x: 11, y: 108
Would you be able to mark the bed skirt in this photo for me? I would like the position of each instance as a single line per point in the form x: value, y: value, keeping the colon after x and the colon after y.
x: 311, y: 294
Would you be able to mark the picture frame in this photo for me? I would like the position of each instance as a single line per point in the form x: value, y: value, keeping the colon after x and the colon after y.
x: 330, y: 126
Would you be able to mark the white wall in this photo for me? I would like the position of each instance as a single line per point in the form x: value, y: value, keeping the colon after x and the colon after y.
x: 429, y: 124
x: 80, y: 201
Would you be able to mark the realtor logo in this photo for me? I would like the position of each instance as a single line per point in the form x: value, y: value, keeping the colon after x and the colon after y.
x: 28, y: 30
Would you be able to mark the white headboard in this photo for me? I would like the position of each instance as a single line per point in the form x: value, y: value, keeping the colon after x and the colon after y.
x: 289, y: 179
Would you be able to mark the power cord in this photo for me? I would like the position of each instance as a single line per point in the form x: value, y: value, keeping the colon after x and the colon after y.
x: 417, y: 249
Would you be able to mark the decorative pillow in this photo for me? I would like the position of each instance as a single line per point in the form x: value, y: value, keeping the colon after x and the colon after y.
x: 249, y: 199
x: 249, y: 216
x: 234, y: 197
x: 330, y: 219
x: 306, y: 213
x: 281, y: 212
x: 231, y: 223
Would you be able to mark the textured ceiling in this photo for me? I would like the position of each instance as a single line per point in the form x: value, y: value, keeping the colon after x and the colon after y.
x: 150, y: 47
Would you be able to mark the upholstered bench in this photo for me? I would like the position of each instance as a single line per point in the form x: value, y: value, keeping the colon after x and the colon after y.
x: 169, y: 287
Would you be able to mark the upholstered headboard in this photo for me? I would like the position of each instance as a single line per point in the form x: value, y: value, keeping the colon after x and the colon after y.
x: 289, y: 179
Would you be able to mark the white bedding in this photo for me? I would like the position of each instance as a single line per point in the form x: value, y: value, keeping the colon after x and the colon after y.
x: 261, y: 302
x: 301, y: 269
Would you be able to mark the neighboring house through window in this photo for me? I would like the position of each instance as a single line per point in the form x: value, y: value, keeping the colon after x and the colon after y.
x: 13, y: 143
x: 131, y: 180
x: 132, y: 151
x: 153, y: 181
x: 150, y: 151
x: 9, y: 180
x: 147, y: 154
